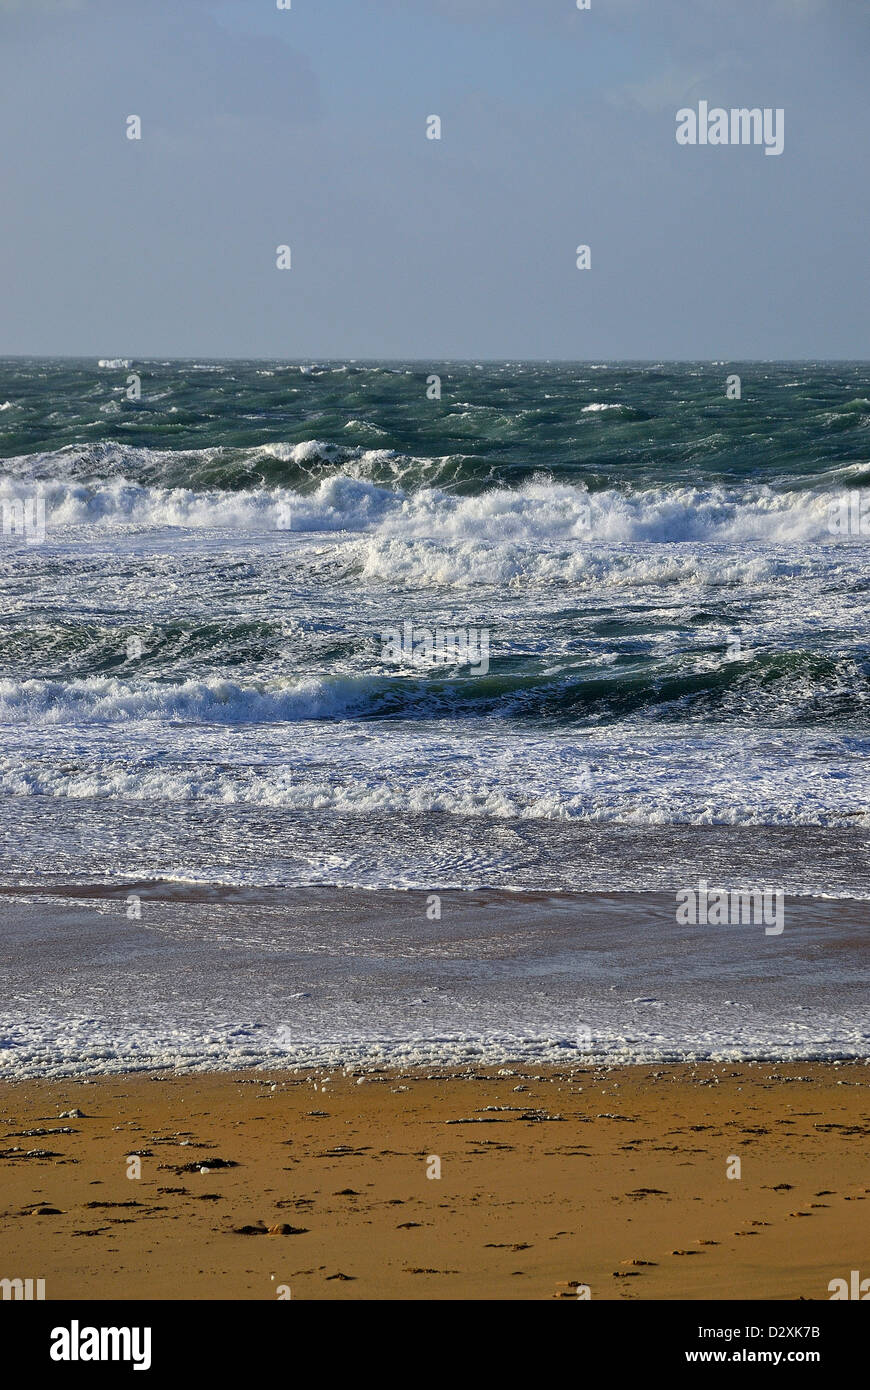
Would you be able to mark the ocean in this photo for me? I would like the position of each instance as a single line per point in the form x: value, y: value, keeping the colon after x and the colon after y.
x: 652, y: 670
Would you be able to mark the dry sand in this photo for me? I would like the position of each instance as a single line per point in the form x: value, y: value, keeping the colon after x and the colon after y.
x: 616, y: 1179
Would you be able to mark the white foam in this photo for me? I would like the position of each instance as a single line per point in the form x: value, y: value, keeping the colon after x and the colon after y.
x: 540, y: 511
x: 175, y: 750
x: 79, y: 1048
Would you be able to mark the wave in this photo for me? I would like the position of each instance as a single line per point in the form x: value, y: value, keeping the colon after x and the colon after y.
x: 538, y: 511
x: 796, y: 687
x: 289, y: 789
x: 99, y: 699
x: 223, y: 468
x: 461, y: 564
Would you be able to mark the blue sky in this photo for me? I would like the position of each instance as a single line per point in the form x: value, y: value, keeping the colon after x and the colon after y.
x: 307, y: 127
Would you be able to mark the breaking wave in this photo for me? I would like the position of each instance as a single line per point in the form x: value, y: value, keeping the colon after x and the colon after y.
x: 538, y: 511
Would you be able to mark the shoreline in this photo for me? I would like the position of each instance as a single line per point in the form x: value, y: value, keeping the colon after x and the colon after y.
x: 376, y: 1062
x: 615, y: 1178
x: 317, y: 977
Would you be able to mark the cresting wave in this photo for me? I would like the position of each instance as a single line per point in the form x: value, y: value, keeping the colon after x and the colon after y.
x: 100, y: 700
x: 537, y: 511
x: 804, y: 687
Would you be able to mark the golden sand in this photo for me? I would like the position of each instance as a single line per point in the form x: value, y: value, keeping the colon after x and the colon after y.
x: 617, y: 1180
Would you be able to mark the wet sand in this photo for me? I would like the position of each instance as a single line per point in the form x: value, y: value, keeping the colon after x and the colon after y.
x: 319, y: 1188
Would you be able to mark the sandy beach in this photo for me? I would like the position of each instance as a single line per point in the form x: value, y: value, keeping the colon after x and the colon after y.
x: 325, y: 1186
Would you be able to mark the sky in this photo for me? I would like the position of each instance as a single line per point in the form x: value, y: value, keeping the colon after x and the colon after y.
x: 307, y: 128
